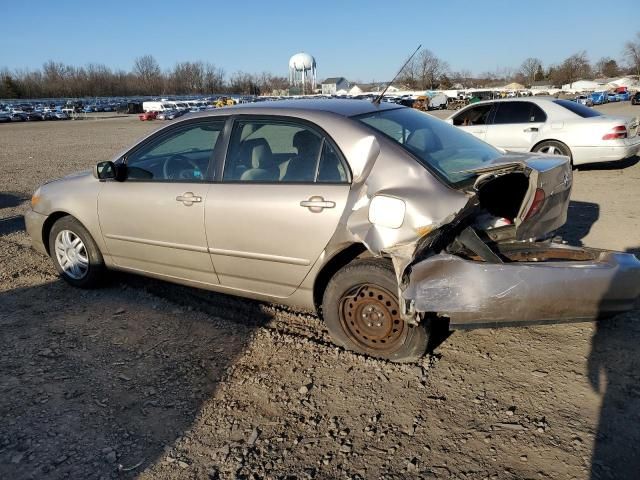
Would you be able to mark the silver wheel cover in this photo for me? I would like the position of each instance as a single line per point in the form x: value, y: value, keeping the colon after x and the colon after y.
x: 71, y: 254
x: 551, y: 150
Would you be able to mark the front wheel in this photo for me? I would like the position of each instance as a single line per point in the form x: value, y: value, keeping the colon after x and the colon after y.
x: 75, y: 254
x: 361, y: 311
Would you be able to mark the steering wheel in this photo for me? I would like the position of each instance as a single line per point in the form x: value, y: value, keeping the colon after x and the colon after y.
x: 166, y: 170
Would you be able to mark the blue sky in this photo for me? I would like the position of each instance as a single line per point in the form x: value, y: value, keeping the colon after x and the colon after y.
x: 361, y: 40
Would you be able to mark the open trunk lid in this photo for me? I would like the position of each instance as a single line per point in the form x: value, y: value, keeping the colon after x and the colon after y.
x: 529, y: 192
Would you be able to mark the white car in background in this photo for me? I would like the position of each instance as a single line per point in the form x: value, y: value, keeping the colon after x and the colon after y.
x: 551, y: 126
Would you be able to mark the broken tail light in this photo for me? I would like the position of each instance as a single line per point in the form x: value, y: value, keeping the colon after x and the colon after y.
x: 616, y: 133
x: 538, y: 200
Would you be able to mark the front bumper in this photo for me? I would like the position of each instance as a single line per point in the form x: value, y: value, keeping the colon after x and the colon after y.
x: 577, y: 284
x: 34, y: 222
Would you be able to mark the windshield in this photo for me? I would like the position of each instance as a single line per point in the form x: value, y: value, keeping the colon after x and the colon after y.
x: 578, y: 109
x: 440, y: 147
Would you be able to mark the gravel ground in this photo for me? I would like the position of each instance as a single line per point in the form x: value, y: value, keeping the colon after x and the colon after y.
x: 149, y: 380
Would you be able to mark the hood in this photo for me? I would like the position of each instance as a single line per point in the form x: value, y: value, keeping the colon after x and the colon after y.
x: 70, y: 176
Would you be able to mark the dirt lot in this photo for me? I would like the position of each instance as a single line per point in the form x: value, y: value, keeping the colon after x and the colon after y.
x: 148, y: 380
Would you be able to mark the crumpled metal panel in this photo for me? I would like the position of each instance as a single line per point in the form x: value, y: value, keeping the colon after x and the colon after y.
x: 471, y: 292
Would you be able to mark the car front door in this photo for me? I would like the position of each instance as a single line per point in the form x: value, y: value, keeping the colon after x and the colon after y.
x: 152, y: 220
x: 474, y: 120
x: 281, y: 193
x: 515, y: 126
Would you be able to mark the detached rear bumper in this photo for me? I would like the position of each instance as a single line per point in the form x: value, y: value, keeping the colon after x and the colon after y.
x: 555, y: 283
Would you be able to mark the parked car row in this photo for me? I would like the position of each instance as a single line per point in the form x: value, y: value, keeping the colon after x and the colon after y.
x: 35, y: 115
x: 600, y: 98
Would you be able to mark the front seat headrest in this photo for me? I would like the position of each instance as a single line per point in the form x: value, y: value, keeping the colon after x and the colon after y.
x: 306, y: 142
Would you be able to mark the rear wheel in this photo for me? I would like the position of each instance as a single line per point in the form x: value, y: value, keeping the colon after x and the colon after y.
x: 75, y: 254
x: 361, y: 311
x: 553, y: 147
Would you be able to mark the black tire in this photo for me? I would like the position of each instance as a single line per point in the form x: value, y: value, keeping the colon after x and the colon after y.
x: 360, y: 309
x: 556, y: 147
x: 95, y: 268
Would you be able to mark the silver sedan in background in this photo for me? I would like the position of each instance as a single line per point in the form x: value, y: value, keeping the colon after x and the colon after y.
x: 551, y: 126
x: 380, y: 218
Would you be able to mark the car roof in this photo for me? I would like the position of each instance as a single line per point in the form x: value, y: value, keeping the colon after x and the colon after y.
x: 342, y: 107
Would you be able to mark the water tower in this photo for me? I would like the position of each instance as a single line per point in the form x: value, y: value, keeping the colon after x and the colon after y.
x: 302, y: 68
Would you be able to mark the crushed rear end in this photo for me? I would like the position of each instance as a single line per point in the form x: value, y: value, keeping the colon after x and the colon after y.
x: 493, y: 263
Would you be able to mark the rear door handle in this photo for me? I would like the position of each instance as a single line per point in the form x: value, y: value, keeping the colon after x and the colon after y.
x: 317, y: 204
x: 532, y: 129
x: 188, y: 198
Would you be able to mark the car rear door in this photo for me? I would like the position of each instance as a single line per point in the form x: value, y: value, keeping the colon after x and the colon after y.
x: 515, y: 125
x: 282, y: 191
x: 474, y: 120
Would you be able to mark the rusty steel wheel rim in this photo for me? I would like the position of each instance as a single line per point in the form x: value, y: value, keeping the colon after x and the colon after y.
x: 370, y: 316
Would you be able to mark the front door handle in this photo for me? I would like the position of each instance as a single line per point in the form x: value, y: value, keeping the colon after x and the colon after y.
x: 188, y: 198
x: 532, y: 129
x: 316, y: 204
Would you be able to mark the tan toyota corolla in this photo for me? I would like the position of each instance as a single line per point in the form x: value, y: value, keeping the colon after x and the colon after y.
x: 381, y: 218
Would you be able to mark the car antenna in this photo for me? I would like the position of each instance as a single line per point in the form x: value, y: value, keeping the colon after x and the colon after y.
x: 379, y: 97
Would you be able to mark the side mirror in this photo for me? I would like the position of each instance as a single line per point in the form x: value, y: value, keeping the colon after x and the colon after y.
x: 104, y: 171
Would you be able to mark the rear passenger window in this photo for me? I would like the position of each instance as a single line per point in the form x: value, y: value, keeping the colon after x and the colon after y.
x: 518, y: 112
x: 537, y: 115
x: 272, y: 151
x: 331, y: 169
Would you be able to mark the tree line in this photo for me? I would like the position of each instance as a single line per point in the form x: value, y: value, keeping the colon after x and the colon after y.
x: 56, y: 80
x: 425, y: 71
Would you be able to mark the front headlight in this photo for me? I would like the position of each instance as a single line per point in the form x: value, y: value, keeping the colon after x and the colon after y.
x: 387, y: 211
x: 35, y: 198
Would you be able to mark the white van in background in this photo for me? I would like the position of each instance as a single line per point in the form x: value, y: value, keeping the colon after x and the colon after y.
x: 156, y: 106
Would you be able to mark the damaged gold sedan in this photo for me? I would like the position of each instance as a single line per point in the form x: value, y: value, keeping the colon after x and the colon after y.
x: 381, y: 218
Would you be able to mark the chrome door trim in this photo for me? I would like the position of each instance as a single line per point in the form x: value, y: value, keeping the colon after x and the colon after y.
x: 157, y: 243
x: 259, y: 256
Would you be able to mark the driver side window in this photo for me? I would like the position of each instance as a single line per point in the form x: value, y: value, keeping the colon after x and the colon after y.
x: 180, y: 155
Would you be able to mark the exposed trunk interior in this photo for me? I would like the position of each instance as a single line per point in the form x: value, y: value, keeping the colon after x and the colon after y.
x: 502, y: 196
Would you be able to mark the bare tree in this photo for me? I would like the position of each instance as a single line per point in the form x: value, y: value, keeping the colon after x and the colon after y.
x: 409, y: 75
x: 187, y: 78
x: 575, y: 67
x: 632, y: 53
x: 147, y: 70
x: 424, y: 71
x: 607, y: 67
x: 213, y: 79
x: 430, y: 69
x: 530, y: 67
x: 244, y: 83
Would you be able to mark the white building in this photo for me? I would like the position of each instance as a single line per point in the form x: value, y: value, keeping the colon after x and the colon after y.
x: 331, y: 85
x: 584, y: 86
x: 541, y: 85
x: 355, y: 90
